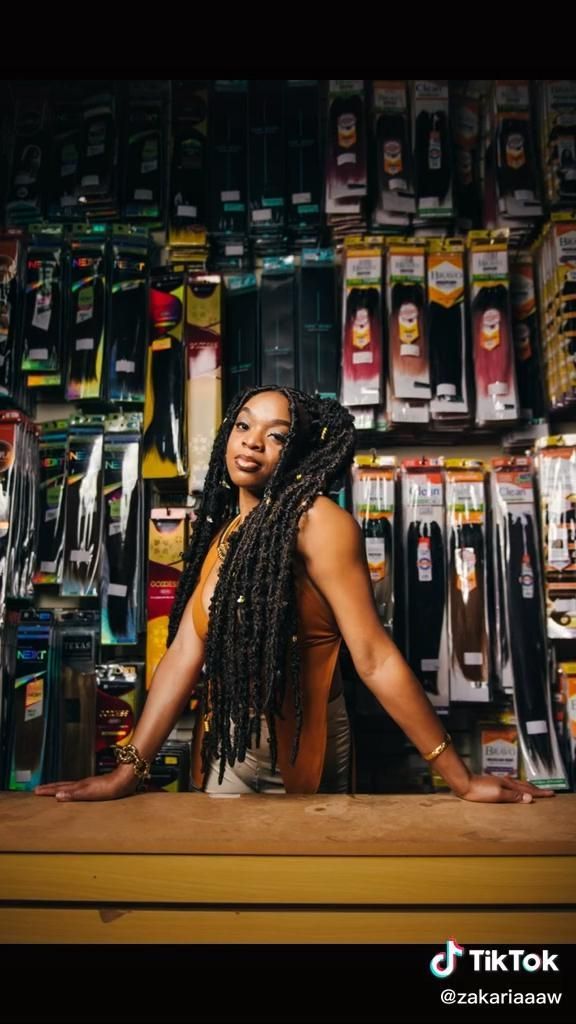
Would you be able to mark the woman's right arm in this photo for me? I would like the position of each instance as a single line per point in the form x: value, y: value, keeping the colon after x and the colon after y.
x: 173, y: 681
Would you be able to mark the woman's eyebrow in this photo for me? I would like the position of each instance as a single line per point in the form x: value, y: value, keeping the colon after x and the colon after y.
x: 271, y: 423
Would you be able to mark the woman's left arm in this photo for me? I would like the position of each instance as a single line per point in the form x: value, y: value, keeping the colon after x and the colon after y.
x: 331, y: 544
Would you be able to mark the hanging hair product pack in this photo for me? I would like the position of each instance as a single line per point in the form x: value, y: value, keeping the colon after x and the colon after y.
x: 164, y: 403
x: 83, y: 529
x: 228, y: 159
x: 407, y: 338
x: 496, y: 394
x: 526, y: 330
x: 346, y: 142
x: 86, y: 318
x: 266, y: 156
x: 558, y: 141
x: 516, y: 165
x: 447, y: 334
x: 117, y: 706
x: 423, y: 532
x: 278, y: 322
x: 77, y: 635
x: 467, y: 581
x: 392, y: 136
x: 468, y: 112
x: 240, y: 339
x: 373, y: 498
x: 303, y: 165
x: 12, y: 381
x: 188, y: 184
x: 362, y: 354
x: 167, y: 540
x: 319, y: 327
x: 45, y: 288
x: 525, y: 623
x: 31, y: 703
x: 52, y: 490
x: 203, y: 339
x: 432, y: 149
x: 556, y: 464
x: 128, y: 316
x: 18, y: 505
x: 122, y: 556
x: 144, y: 152
x: 567, y: 673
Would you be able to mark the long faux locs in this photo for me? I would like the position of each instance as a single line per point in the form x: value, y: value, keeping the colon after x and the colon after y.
x: 251, y: 657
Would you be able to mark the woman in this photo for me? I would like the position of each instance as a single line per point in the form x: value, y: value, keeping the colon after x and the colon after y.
x: 266, y: 597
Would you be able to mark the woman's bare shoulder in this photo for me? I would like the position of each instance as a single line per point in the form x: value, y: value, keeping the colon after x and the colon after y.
x: 326, y: 522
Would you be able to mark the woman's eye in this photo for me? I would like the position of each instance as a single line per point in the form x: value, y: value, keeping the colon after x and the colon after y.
x: 241, y: 425
x: 280, y: 437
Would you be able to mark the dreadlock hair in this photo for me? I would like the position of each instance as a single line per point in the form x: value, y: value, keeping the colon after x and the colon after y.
x: 251, y: 652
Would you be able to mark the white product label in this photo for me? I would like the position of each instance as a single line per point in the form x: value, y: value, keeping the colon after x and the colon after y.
x: 232, y: 196
x: 537, y: 727
x: 424, y: 560
x: 80, y: 556
x: 67, y: 201
x: 376, y: 557
x: 84, y: 344
x: 517, y: 95
x: 261, y: 215
x: 148, y: 166
x: 117, y: 590
x: 446, y: 391
x: 94, y: 151
x: 50, y: 515
x: 446, y: 278
x: 405, y: 265
x: 42, y: 311
x: 410, y: 413
x: 114, y: 528
x: 90, y: 179
x: 301, y: 197
x: 499, y: 387
x: 473, y: 657
x: 346, y: 158
x: 186, y: 211
x: 23, y: 776
x: 410, y: 350
x: 233, y: 250
x: 34, y: 700
x: 527, y: 579
x: 429, y: 203
x: 39, y: 354
x: 362, y: 357
x: 429, y: 664
x: 500, y: 757
x: 125, y: 366
x: 48, y: 566
x: 524, y: 195
x: 565, y: 605
x: 143, y: 194
x: 490, y: 263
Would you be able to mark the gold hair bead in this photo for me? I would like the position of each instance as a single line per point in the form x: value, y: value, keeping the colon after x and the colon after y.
x: 324, y: 432
x: 209, y: 519
x: 241, y: 599
x: 294, y: 639
x: 299, y: 476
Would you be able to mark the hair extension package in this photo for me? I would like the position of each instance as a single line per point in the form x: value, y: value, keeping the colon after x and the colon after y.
x: 278, y: 321
x: 170, y: 769
x: 29, y: 144
x: 11, y: 287
x: 30, y: 703
x: 468, y: 114
x: 44, y: 288
x: 228, y: 159
x: 117, y: 706
x: 144, y: 152
x: 62, y: 186
x: 467, y: 581
x: 203, y: 338
x: 407, y: 337
x: 556, y: 464
x: 432, y: 149
x: 18, y: 504
x: 77, y: 639
x: 164, y: 410
x: 319, y: 326
x: 556, y: 264
x: 240, y: 337
x: 526, y: 330
x: 266, y: 156
x: 567, y: 673
x: 523, y: 618
x: 127, y: 315
x: 303, y: 163
x: 373, y: 498
x: 53, y: 440
x: 557, y: 110
x: 167, y: 540
x: 447, y: 334
x: 423, y: 518
x: 83, y: 516
x: 362, y: 300
x: 497, y: 739
x: 516, y: 164
x: 189, y: 184
x: 391, y: 131
x: 122, y: 557
x: 496, y: 395
x: 86, y: 319
x: 346, y: 143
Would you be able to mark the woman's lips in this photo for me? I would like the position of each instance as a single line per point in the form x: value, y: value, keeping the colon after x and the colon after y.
x: 247, y: 464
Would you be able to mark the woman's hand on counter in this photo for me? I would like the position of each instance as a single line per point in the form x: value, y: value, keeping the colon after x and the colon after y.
x: 502, y: 789
x: 119, y: 783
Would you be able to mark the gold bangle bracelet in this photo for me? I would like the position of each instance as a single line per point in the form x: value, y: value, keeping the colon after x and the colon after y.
x: 439, y: 749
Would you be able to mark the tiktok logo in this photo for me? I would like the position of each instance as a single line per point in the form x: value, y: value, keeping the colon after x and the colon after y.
x: 444, y: 964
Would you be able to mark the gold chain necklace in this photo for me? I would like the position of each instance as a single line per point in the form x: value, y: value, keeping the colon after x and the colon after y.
x: 223, y: 543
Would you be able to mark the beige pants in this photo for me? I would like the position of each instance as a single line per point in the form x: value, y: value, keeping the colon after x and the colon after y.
x: 254, y: 774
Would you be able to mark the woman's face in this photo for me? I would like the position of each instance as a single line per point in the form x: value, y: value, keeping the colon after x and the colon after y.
x: 257, y: 438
